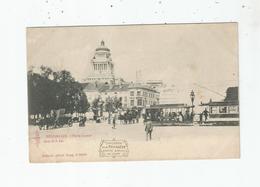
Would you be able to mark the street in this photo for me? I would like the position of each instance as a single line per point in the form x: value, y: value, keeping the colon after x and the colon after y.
x: 168, y: 142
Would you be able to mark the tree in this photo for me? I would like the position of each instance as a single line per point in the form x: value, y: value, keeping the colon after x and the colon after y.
x: 81, y: 103
x: 63, y: 77
x: 51, y: 90
x: 112, y: 104
x: 109, y: 104
x: 40, y: 94
x: 46, y: 71
x: 71, y: 94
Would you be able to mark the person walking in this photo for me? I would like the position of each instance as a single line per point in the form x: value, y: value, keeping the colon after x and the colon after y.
x: 114, y: 116
x: 201, y: 117
x: 148, y: 128
x: 206, y: 113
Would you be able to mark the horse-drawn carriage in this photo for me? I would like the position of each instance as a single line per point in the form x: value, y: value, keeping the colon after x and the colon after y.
x: 57, y: 119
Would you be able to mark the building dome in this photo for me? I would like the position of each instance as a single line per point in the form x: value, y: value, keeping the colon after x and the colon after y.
x: 102, y: 65
x: 102, y: 47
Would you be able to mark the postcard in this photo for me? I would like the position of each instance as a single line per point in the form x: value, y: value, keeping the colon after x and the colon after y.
x: 133, y: 92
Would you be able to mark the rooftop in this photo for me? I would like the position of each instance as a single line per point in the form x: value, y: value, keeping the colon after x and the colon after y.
x: 230, y: 99
x: 102, y: 47
x: 176, y: 105
x: 104, y: 87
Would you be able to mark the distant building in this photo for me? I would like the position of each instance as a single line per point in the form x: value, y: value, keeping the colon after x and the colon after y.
x: 132, y: 95
x: 141, y: 95
x: 102, y: 83
x: 102, y: 66
x: 168, y: 93
x: 155, y: 83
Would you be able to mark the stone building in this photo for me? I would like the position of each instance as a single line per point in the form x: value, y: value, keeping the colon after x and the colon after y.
x: 102, y: 66
x: 102, y: 83
x: 131, y: 94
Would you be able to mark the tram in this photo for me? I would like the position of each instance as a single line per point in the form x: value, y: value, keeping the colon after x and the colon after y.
x: 222, y: 113
x: 170, y: 114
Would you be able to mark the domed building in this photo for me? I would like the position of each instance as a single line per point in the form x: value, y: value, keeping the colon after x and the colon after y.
x: 102, y: 83
x: 102, y: 66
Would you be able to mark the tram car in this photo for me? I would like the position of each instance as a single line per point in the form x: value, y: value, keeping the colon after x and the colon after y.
x: 169, y: 114
x: 225, y: 112
x: 222, y: 113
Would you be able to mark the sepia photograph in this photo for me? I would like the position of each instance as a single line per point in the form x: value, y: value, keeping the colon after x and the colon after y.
x: 133, y: 92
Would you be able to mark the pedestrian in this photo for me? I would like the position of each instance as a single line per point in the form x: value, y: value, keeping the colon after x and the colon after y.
x: 181, y: 117
x: 206, y: 114
x: 201, y: 117
x: 148, y: 128
x: 82, y: 120
x: 114, y: 119
x: 125, y: 117
x: 187, y: 115
x: 192, y: 116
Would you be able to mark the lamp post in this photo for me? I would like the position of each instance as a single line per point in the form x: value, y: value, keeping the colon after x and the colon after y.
x: 192, y: 97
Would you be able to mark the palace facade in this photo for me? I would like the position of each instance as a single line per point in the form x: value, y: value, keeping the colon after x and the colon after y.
x: 102, y: 83
x: 102, y: 66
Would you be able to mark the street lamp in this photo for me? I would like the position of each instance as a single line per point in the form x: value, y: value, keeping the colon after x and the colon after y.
x: 192, y: 97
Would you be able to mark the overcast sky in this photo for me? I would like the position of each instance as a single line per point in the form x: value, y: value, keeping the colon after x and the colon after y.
x: 205, y: 54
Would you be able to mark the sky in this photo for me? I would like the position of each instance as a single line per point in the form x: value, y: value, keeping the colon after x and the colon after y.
x: 182, y: 55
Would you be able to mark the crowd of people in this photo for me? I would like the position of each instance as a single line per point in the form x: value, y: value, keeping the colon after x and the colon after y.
x: 129, y: 116
x: 178, y: 117
x: 132, y: 116
x: 165, y: 116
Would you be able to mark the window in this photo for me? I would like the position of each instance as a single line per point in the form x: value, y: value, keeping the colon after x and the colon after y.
x: 233, y: 109
x: 223, y: 109
x: 138, y: 93
x: 125, y: 99
x: 132, y: 102
x: 139, y: 102
x: 132, y: 93
x: 214, y: 110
